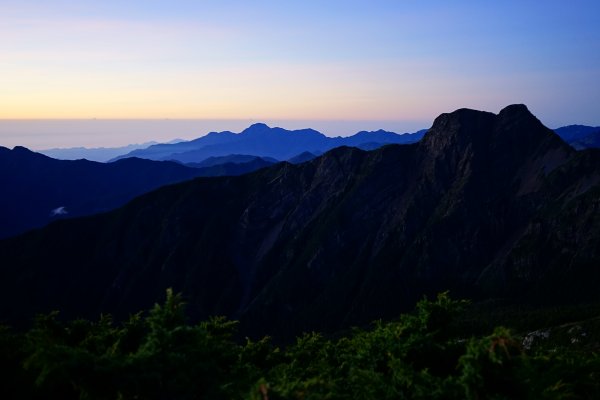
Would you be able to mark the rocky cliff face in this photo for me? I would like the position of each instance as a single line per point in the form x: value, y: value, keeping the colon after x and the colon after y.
x: 485, y: 205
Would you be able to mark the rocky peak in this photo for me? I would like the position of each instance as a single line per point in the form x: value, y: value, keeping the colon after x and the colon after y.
x: 519, y: 120
x: 521, y: 135
x: 457, y: 130
x: 516, y: 111
x: 516, y: 119
x: 515, y: 130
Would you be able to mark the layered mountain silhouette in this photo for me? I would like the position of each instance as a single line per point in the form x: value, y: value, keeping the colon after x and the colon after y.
x: 53, y: 190
x: 231, y: 159
x: 100, y: 154
x: 302, y: 157
x: 230, y: 168
x: 573, y: 133
x: 580, y: 136
x: 263, y: 141
x: 485, y: 205
x: 38, y: 189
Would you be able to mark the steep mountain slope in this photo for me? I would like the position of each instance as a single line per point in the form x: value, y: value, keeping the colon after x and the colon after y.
x: 302, y: 157
x: 38, y: 189
x: 262, y: 141
x: 485, y: 205
x: 234, y: 169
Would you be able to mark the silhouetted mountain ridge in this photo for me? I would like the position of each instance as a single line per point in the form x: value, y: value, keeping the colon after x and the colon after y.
x: 485, y: 205
x: 302, y: 157
x: 231, y: 159
x: 263, y: 141
x: 38, y: 189
x: 100, y: 154
x: 164, y: 150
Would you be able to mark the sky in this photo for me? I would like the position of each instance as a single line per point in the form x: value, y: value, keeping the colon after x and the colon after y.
x: 336, y: 66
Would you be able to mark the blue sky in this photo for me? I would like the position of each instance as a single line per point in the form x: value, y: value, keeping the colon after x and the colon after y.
x: 396, y: 63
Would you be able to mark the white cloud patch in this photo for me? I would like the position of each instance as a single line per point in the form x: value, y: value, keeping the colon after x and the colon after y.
x: 59, y: 211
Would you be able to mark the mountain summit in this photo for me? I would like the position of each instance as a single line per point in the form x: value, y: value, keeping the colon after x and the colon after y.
x: 486, y: 205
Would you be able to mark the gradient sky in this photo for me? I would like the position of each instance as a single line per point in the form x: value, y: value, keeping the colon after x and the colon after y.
x: 393, y: 63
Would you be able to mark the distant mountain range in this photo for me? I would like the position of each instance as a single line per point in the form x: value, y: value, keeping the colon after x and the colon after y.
x: 37, y: 189
x: 262, y: 141
x: 573, y: 133
x: 100, y: 154
x: 83, y: 188
x: 580, y: 136
x: 486, y: 205
x: 272, y: 141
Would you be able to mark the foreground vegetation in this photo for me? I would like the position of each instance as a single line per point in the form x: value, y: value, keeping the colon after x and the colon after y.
x: 421, y: 355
